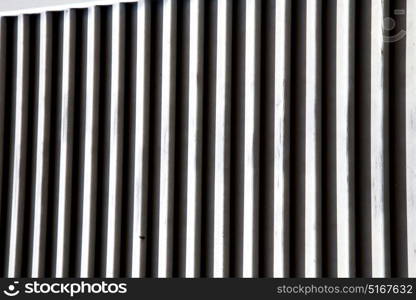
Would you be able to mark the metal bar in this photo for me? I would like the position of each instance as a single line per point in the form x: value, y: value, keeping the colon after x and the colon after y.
x: 344, y: 131
x: 140, y: 142
x: 18, y: 151
x: 378, y: 157
x: 312, y: 141
x: 42, y: 139
x: 411, y: 137
x: 66, y: 136
x: 194, y: 163
x: 116, y: 117
x: 220, y: 238
x: 281, y: 133
x: 90, y: 145
x: 167, y: 140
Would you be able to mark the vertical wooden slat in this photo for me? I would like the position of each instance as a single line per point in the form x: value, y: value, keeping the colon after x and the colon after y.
x: 194, y: 143
x: 312, y: 140
x: 18, y: 150
x: 115, y: 146
x: 251, y: 139
x: 89, y: 144
x: 167, y: 140
x: 66, y: 137
x: 39, y: 194
x: 281, y: 135
x: 140, y: 121
x: 222, y: 120
x: 411, y: 137
x: 379, y: 242
x: 344, y: 132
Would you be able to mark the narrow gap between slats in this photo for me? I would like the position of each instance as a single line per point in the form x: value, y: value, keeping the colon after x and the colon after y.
x: 8, y: 28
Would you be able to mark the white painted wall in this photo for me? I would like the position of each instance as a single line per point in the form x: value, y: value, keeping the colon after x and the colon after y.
x: 13, y: 7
